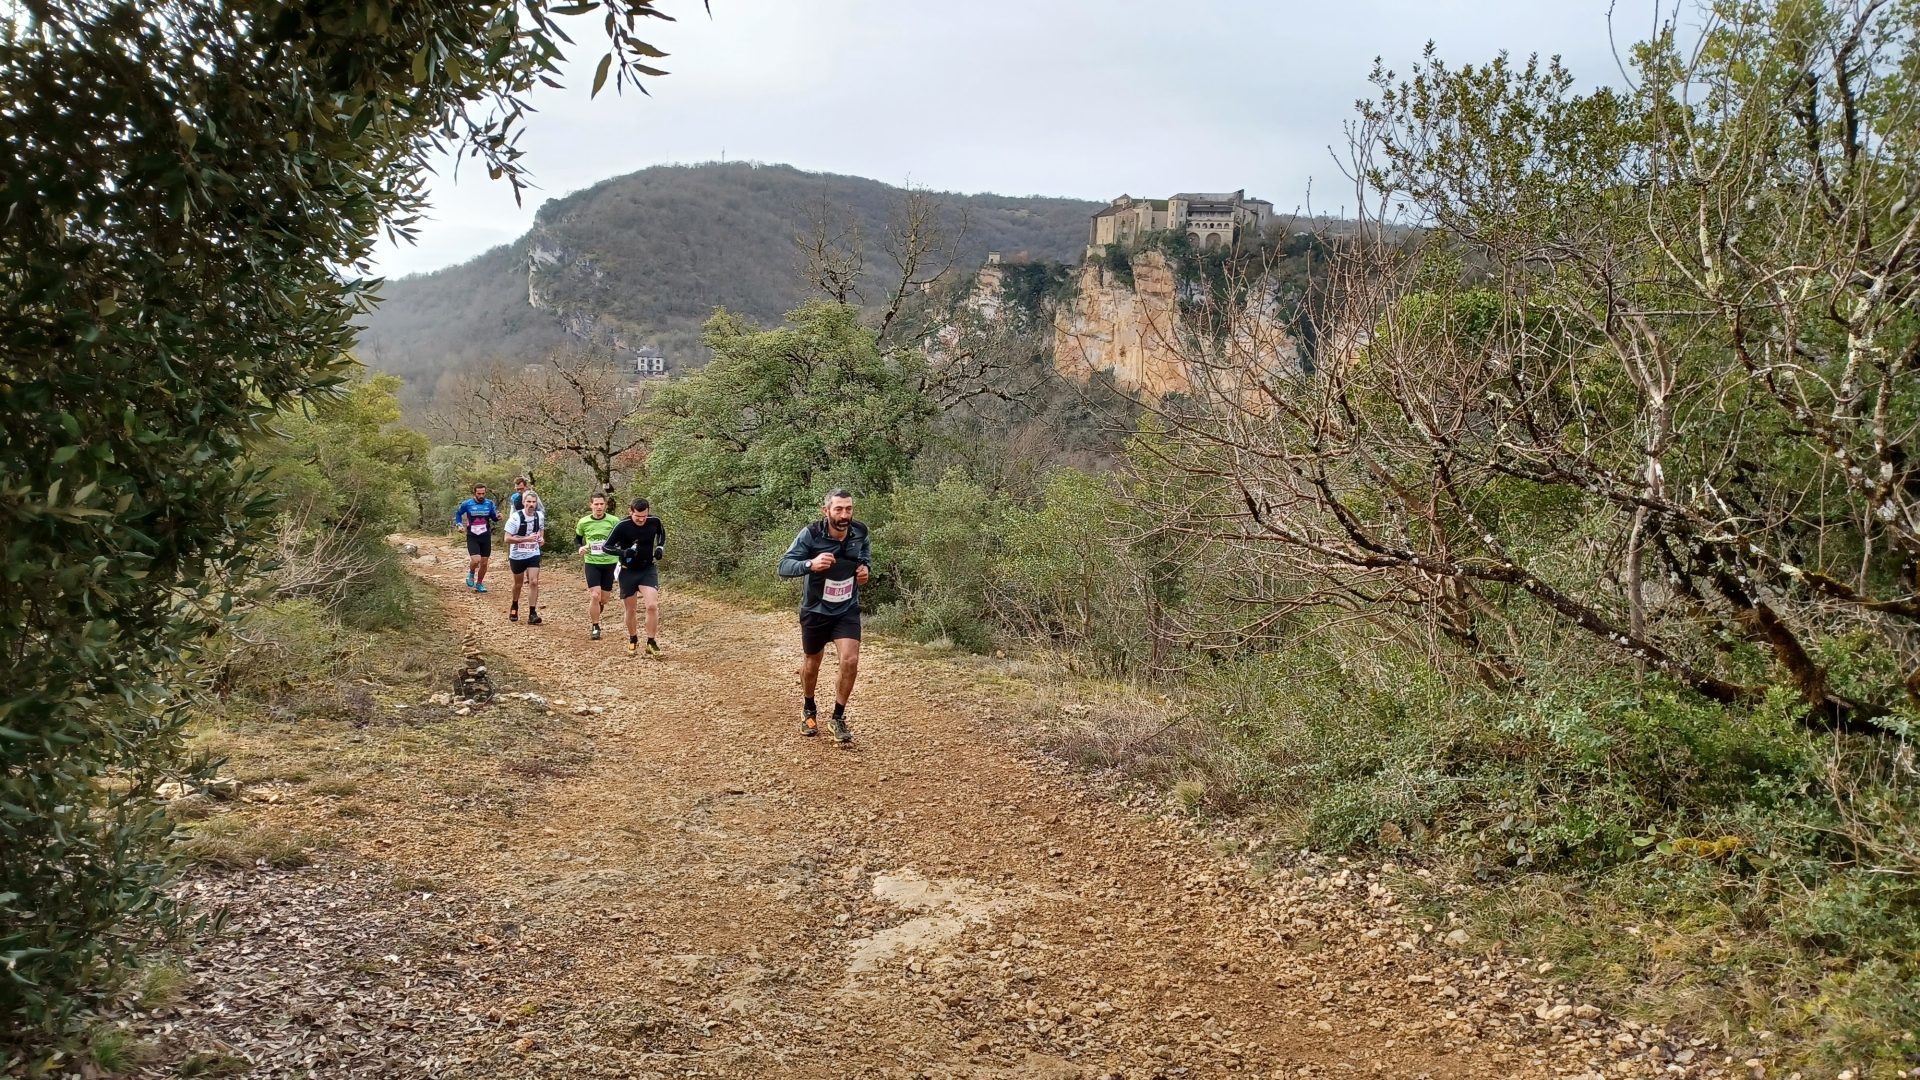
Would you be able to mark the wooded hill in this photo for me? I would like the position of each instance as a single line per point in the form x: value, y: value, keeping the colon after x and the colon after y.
x: 651, y: 254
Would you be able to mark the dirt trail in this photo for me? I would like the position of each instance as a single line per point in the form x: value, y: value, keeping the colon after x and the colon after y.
x: 691, y: 889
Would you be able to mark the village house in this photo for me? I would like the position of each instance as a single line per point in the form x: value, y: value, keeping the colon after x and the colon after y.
x: 1210, y: 219
x: 646, y: 362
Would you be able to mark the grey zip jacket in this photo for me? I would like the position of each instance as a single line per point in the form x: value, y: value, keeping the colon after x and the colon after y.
x: 833, y: 592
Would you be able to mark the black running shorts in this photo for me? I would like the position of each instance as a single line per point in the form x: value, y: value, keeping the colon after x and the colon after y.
x: 600, y: 576
x: 521, y: 566
x: 631, y: 580
x: 817, y: 630
x: 480, y: 544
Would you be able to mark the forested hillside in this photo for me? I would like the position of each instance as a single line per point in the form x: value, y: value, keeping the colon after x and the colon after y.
x: 459, y: 317
x: 650, y: 255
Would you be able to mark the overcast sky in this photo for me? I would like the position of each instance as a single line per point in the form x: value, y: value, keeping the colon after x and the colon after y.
x: 1021, y: 97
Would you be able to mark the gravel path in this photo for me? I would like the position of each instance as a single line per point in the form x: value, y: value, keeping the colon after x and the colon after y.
x: 679, y: 885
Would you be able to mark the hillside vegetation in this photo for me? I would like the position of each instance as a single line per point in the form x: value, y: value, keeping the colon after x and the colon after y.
x: 1569, y: 590
x: 651, y: 254
x: 1583, y: 582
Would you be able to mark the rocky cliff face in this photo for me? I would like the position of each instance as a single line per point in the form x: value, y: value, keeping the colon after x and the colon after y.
x: 1134, y: 333
x: 1139, y: 336
x: 566, y: 284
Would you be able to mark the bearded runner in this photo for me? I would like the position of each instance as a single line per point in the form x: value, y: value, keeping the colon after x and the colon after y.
x: 833, y: 555
x: 477, y: 516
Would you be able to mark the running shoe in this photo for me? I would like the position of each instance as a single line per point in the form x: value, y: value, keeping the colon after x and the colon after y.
x: 469, y: 581
x: 653, y: 649
x: 842, y: 734
x: 533, y: 617
x: 513, y: 613
x: 479, y: 586
x: 633, y: 647
x: 809, y: 723
x: 595, y: 635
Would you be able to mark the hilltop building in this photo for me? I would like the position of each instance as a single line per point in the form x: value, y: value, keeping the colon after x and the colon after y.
x: 1210, y: 219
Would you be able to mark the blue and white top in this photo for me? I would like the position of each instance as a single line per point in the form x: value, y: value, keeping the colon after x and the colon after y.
x: 480, y: 514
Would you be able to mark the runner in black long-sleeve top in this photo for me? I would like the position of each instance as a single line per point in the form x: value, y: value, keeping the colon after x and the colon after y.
x: 639, y: 542
x: 835, y: 558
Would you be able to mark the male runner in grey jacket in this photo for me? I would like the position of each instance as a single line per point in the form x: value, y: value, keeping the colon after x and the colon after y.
x: 834, y: 557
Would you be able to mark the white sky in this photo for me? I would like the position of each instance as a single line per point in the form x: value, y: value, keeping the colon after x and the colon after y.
x: 1020, y: 97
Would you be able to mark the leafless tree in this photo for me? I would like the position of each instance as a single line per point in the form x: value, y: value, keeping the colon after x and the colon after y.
x: 833, y: 254
x: 318, y: 559
x: 923, y: 242
x: 1649, y: 378
x: 967, y: 355
x: 577, y: 404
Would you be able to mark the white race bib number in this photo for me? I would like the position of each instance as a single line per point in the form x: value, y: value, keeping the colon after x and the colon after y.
x: 477, y: 526
x: 837, y: 592
x: 598, y: 547
x: 525, y: 551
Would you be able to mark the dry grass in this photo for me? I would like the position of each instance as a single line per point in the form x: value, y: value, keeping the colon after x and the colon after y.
x: 161, y: 984
x: 526, y: 768
x: 235, y: 841
x: 335, y: 786
x: 111, y: 1049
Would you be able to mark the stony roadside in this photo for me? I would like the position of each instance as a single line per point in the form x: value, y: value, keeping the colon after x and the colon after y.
x: 664, y: 880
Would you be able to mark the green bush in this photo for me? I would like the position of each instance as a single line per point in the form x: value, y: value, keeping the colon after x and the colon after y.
x: 1576, y: 776
x: 195, y: 191
x: 944, y: 545
x: 1770, y: 874
x: 385, y: 598
x: 1070, y: 583
x: 779, y: 416
x: 1118, y: 264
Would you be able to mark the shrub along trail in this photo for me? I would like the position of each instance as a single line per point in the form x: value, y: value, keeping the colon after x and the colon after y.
x: 680, y: 885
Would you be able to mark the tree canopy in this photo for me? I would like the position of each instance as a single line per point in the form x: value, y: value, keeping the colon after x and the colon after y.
x: 192, y: 190
x: 780, y: 414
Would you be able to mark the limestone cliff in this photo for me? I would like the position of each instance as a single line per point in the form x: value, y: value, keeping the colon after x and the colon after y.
x: 1133, y: 333
x: 570, y: 285
x: 1139, y: 336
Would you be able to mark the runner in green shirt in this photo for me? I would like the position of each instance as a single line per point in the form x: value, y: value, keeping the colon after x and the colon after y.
x: 590, y: 538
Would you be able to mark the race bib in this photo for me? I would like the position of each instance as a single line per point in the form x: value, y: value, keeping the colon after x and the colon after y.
x: 477, y: 526
x: 525, y: 550
x: 837, y: 592
x: 598, y: 547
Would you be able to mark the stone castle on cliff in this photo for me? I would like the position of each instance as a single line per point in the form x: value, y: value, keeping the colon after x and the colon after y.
x: 1211, y: 220
x: 1133, y: 328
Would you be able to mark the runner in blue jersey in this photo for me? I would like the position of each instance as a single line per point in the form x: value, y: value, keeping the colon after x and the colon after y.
x: 477, y: 516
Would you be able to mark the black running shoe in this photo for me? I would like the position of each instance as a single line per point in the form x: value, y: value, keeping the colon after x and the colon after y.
x: 841, y: 732
x: 595, y: 634
x: 810, y: 721
x: 533, y: 617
